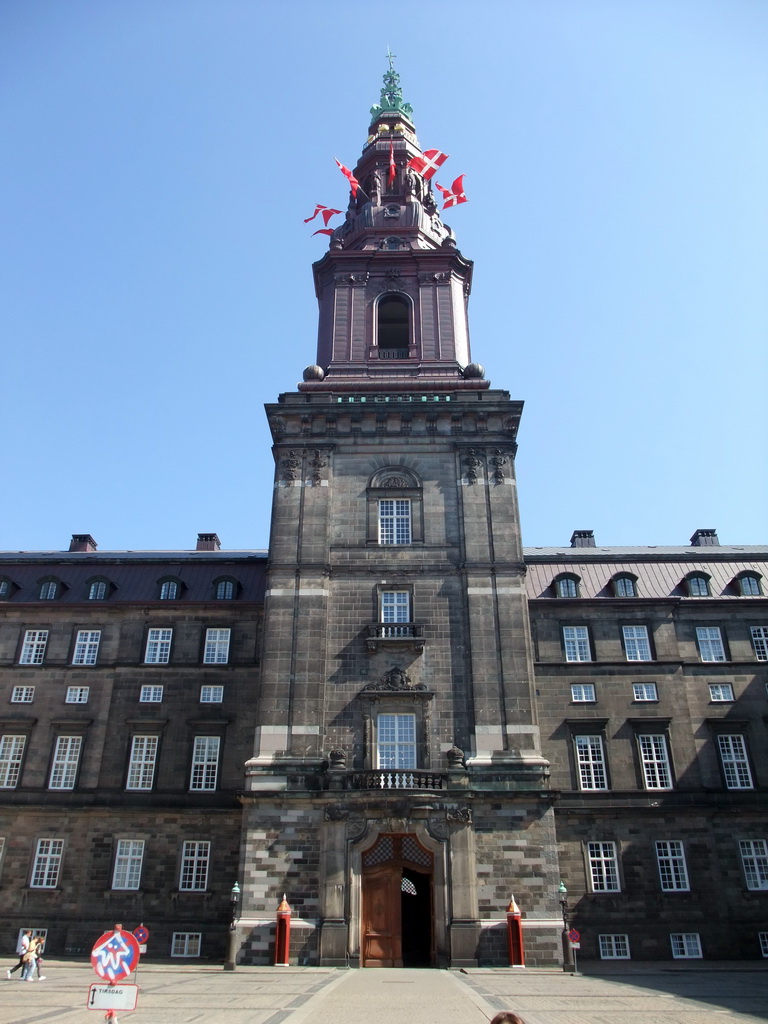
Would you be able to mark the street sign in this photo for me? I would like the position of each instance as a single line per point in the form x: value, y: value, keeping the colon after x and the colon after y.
x: 573, y: 935
x: 115, y: 955
x: 575, y: 945
x: 112, y: 997
x: 141, y: 933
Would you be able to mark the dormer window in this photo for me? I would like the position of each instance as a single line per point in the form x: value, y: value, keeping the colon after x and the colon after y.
x: 698, y: 585
x: 225, y: 590
x: 6, y: 589
x: 98, y: 590
x: 567, y: 586
x: 748, y: 584
x: 170, y: 589
x: 625, y: 586
x: 50, y: 589
x: 393, y: 327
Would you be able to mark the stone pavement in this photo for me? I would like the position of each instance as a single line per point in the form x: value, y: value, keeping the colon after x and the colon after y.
x: 609, y: 993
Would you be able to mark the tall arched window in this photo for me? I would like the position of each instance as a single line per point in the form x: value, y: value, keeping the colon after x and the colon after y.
x: 393, y: 334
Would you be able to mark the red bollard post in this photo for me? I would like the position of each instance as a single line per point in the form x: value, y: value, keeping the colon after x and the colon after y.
x: 283, y: 934
x: 515, y: 935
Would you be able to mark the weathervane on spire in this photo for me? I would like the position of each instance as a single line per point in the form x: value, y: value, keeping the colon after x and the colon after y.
x: 391, y: 93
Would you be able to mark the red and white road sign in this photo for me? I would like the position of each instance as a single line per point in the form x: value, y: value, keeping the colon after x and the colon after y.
x: 141, y: 933
x: 574, y: 936
x: 112, y: 997
x: 115, y: 955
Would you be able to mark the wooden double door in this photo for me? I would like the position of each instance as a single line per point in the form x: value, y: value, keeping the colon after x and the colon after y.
x: 397, y: 903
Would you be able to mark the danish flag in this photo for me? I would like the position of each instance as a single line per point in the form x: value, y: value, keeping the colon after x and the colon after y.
x: 326, y: 211
x: 454, y: 195
x: 428, y: 162
x: 354, y: 184
x: 392, y: 167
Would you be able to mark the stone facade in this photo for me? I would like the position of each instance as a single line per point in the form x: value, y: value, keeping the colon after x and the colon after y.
x: 398, y: 717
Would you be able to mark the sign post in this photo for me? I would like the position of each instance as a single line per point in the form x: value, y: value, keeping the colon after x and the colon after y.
x: 574, y: 938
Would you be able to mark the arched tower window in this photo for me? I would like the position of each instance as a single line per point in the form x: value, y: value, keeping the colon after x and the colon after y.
x: 393, y: 334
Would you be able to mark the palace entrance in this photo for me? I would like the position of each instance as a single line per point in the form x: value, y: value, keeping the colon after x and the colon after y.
x: 397, y: 917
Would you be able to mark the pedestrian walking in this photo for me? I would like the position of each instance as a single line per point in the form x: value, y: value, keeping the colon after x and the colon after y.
x: 39, y: 957
x: 21, y: 948
x: 30, y: 959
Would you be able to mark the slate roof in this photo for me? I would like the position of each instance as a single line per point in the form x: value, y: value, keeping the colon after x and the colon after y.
x: 660, y: 571
x: 134, y: 575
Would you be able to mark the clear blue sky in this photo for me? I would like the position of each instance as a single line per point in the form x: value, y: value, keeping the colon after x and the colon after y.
x: 155, y: 274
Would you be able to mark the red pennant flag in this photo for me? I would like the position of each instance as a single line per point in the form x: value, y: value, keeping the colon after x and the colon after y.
x: 428, y: 162
x: 322, y: 231
x: 327, y: 213
x: 392, y: 167
x: 354, y: 184
x: 454, y: 195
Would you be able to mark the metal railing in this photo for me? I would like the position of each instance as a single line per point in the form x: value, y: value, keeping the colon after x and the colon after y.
x: 395, y: 630
x: 393, y: 353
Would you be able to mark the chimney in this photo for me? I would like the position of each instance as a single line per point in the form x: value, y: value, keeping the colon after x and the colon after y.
x: 705, y: 539
x: 208, y: 542
x: 82, y: 542
x: 583, y: 539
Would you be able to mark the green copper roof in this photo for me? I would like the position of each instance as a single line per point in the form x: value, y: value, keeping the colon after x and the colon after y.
x: 391, y: 94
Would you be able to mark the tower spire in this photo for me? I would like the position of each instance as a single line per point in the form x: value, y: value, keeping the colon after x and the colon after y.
x: 391, y: 93
x: 393, y: 288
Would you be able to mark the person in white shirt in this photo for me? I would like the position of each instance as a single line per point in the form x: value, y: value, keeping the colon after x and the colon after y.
x: 21, y: 949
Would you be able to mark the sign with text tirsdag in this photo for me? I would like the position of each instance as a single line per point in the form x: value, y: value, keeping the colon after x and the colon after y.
x: 115, y: 955
x: 112, y: 997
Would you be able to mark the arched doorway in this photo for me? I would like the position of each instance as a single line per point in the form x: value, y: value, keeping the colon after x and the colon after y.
x: 397, y: 901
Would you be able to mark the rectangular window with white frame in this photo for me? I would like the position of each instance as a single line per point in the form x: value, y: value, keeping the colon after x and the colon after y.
x: 576, y: 643
x: 673, y: 871
x: 734, y: 761
x: 710, y: 641
x: 211, y: 694
x: 77, y: 695
x: 47, y: 864
x: 11, y: 757
x: 685, y: 945
x: 141, y: 764
x: 654, y: 760
x: 644, y: 692
x: 720, y: 692
x: 33, y: 647
x: 86, y: 647
x: 129, y: 857
x: 762, y: 938
x: 150, y: 694
x: 754, y: 859
x: 195, y: 858
x: 205, y: 763
x: 395, y: 521
x: 186, y: 944
x: 396, y: 741
x: 394, y: 608
x: 216, y: 650
x: 603, y: 867
x: 614, y: 947
x: 22, y: 695
x: 66, y: 758
x: 759, y: 636
x: 636, y: 643
x: 158, y: 650
x: 590, y: 761
x: 583, y: 693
